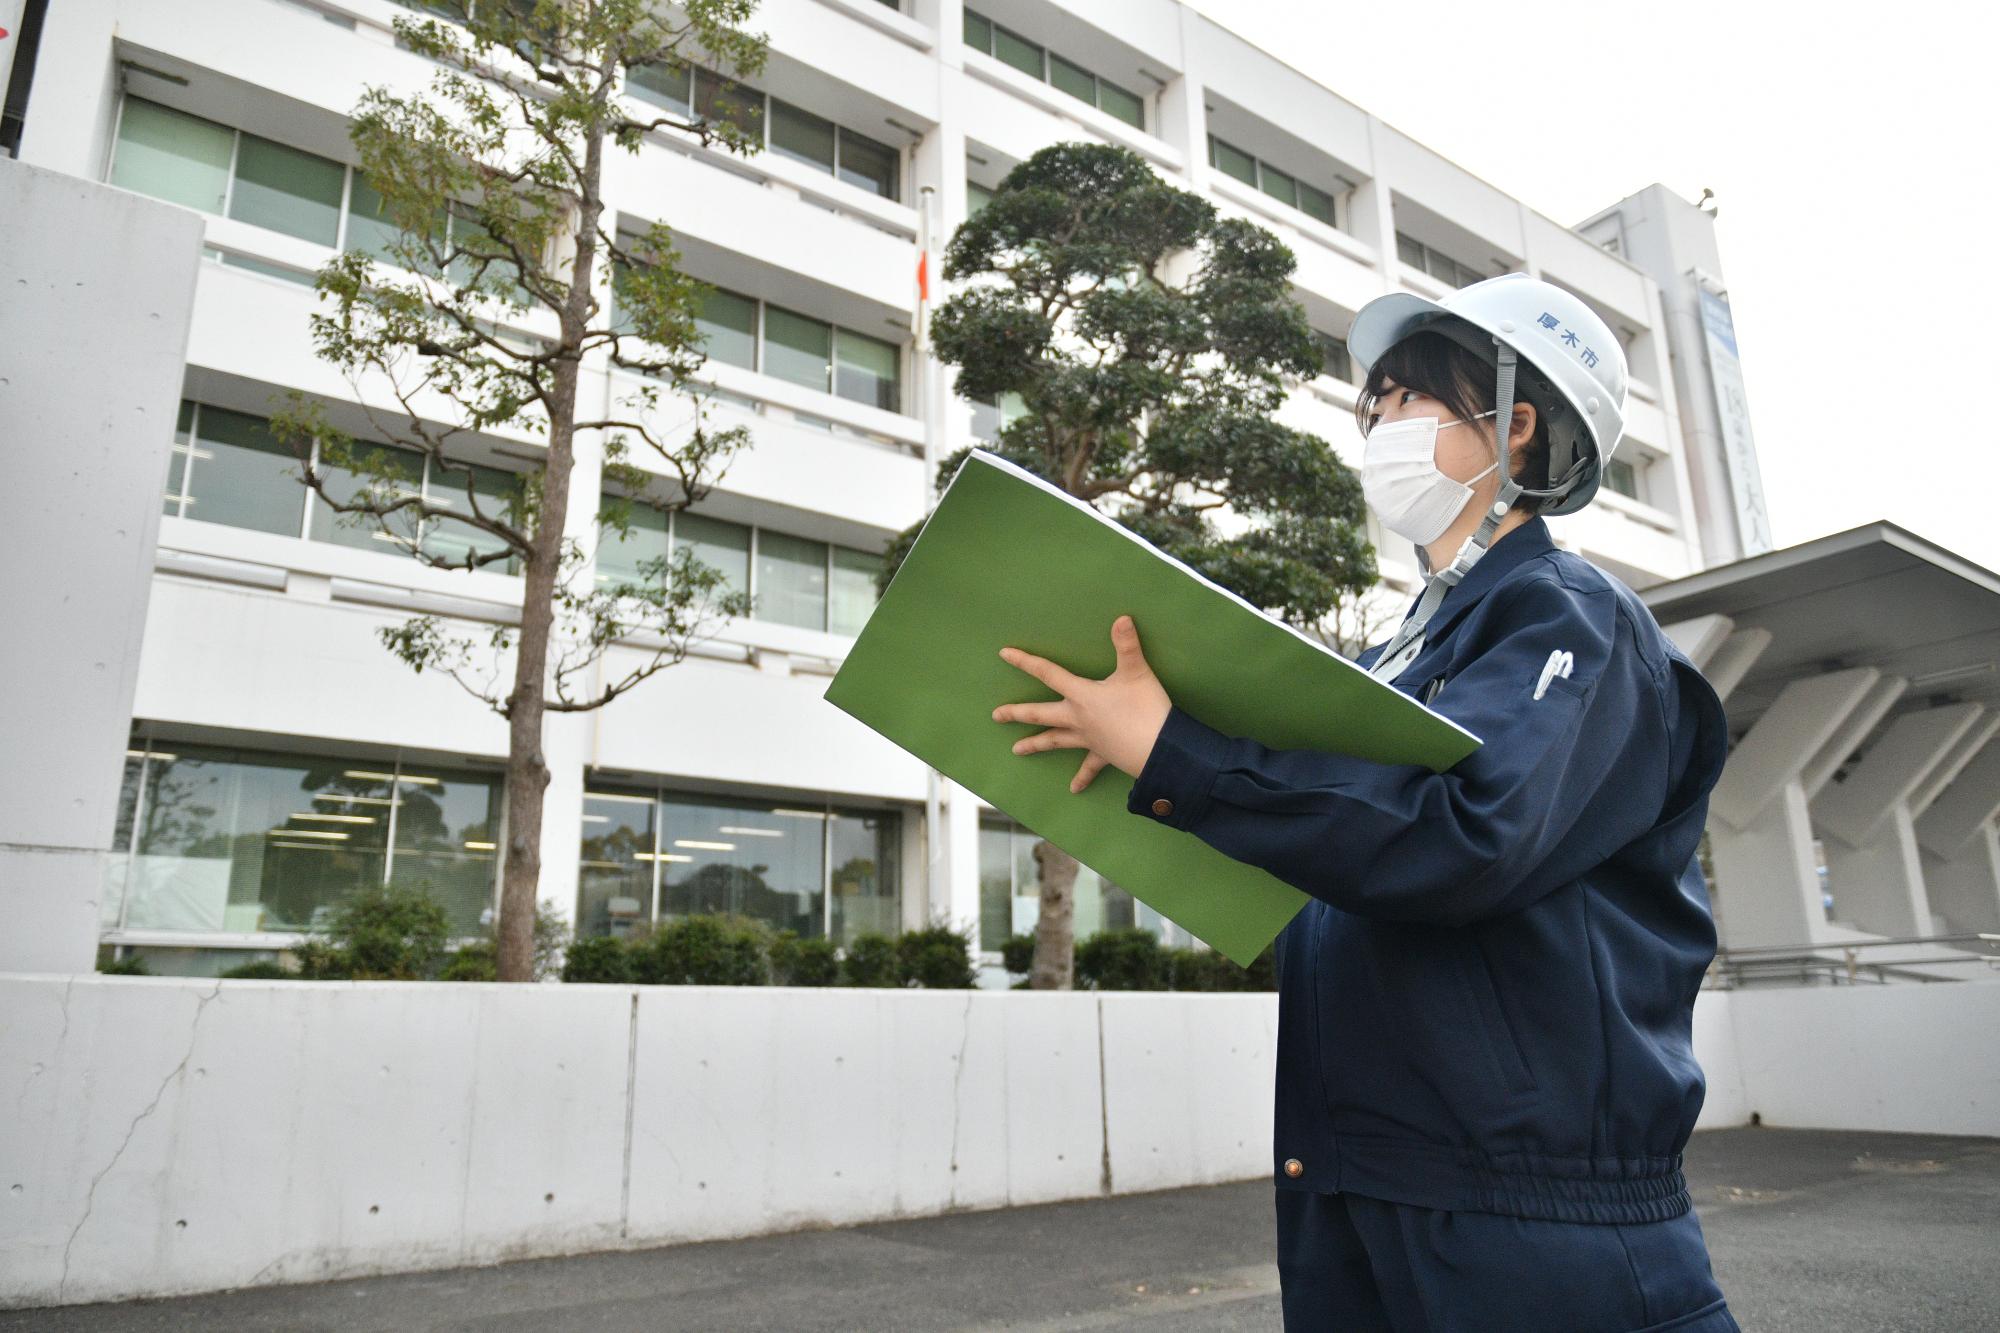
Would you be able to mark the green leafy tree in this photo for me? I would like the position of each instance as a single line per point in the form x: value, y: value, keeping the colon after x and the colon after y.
x: 1148, y: 340
x: 478, y: 302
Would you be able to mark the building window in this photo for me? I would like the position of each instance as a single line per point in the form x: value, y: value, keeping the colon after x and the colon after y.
x: 227, y: 468
x: 1280, y: 185
x: 1335, y: 359
x: 786, y: 130
x: 822, y: 870
x: 991, y: 415
x: 1010, y: 48
x: 1434, y: 262
x: 173, y: 156
x: 1622, y: 477
x: 184, y: 159
x: 977, y: 197
x: 241, y: 840
x: 810, y: 584
x: 795, y: 348
x: 1010, y: 893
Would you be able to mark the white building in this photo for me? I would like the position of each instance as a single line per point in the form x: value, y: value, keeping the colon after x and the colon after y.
x: 280, y: 756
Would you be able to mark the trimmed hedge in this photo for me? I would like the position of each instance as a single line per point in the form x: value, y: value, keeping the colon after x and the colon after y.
x: 727, y: 950
x: 1132, y: 959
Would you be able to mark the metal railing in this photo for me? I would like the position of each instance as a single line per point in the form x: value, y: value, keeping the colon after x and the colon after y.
x: 1854, y: 962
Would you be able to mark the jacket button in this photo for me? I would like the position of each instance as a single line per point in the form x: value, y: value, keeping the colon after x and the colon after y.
x: 1163, y: 807
x: 1294, y: 1167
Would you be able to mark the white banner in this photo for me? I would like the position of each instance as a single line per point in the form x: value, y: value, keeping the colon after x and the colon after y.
x: 1732, y: 408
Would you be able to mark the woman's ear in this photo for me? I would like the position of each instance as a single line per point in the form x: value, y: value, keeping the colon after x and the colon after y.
x: 1522, y: 429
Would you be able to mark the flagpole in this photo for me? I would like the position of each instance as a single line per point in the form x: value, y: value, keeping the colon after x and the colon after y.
x: 936, y: 881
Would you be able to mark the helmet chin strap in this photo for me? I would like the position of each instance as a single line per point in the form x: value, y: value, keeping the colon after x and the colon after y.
x: 1409, y: 640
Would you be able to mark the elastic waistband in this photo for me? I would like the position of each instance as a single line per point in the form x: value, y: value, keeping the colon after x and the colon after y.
x: 1550, y: 1188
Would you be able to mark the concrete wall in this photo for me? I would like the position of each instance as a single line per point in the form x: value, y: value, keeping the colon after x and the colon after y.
x: 99, y: 284
x: 173, y: 1135
x: 1913, y: 1058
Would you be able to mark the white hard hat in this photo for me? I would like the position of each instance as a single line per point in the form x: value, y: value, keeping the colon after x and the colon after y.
x: 1562, y: 338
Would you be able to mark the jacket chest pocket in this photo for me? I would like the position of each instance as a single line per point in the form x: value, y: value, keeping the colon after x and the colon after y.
x: 1497, y: 1032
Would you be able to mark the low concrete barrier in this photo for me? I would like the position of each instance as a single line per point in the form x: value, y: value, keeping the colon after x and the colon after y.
x: 169, y: 1136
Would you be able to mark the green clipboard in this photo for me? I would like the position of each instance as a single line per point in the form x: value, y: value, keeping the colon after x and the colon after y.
x: 1006, y: 558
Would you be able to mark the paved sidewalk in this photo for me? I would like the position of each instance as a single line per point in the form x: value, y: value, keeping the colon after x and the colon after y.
x: 1810, y: 1230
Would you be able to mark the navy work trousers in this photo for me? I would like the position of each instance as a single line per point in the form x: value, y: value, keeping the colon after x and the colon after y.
x: 1353, y: 1263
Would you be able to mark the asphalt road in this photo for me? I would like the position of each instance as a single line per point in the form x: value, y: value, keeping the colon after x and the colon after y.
x: 1809, y: 1230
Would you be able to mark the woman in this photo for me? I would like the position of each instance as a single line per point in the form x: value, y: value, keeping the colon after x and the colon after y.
x: 1485, y: 1067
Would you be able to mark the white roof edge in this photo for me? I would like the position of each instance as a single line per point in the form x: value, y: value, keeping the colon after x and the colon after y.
x: 1665, y: 595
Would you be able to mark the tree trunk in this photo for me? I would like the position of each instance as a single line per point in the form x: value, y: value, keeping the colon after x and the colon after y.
x: 527, y: 767
x: 1055, y: 949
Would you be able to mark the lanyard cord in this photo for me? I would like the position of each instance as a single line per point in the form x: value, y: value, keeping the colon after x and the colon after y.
x: 1409, y: 640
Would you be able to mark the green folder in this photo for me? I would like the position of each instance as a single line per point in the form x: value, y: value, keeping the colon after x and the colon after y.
x: 1007, y: 559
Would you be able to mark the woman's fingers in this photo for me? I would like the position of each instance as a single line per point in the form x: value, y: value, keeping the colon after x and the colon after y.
x: 1043, y: 713
x: 1055, y: 738
x: 1092, y: 765
x: 1047, y: 672
x: 1125, y: 639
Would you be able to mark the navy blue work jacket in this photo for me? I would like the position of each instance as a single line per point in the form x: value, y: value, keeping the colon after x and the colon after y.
x: 1488, y: 1002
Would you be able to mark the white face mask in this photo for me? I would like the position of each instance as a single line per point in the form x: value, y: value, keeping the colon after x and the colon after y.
x: 1401, y: 481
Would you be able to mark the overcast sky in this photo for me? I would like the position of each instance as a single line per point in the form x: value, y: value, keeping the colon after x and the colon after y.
x: 1852, y: 150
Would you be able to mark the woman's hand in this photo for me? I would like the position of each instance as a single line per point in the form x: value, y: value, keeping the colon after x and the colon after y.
x: 1116, y: 720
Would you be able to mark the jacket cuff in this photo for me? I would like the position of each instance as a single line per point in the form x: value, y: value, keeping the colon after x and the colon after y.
x: 1173, y: 786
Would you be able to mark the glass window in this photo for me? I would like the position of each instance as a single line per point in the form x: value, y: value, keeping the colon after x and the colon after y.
x: 620, y: 559
x: 1010, y: 894
x: 238, y: 474
x: 1022, y: 54
x: 979, y: 32
x: 797, y: 348
x: 727, y: 324
x: 996, y: 887
x: 614, y: 894
x: 718, y: 544
x: 1125, y: 106
x: 851, y: 593
x: 988, y: 417
x: 977, y: 197
x: 875, y: 167
x: 719, y: 854
x: 1623, y: 478
x: 664, y: 85
x: 801, y: 136
x: 1277, y: 184
x: 1409, y: 251
x: 1072, y: 78
x: 791, y: 580
x: 171, y: 155
x: 1334, y: 353
x: 287, y: 190
x: 864, y: 878
x: 370, y: 229
x: 724, y: 100
x: 448, y: 840
x: 499, y: 495
x: 866, y: 371
x: 1316, y: 203
x: 1232, y: 162
x: 243, y: 841
x: 177, y: 457
x: 365, y: 531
